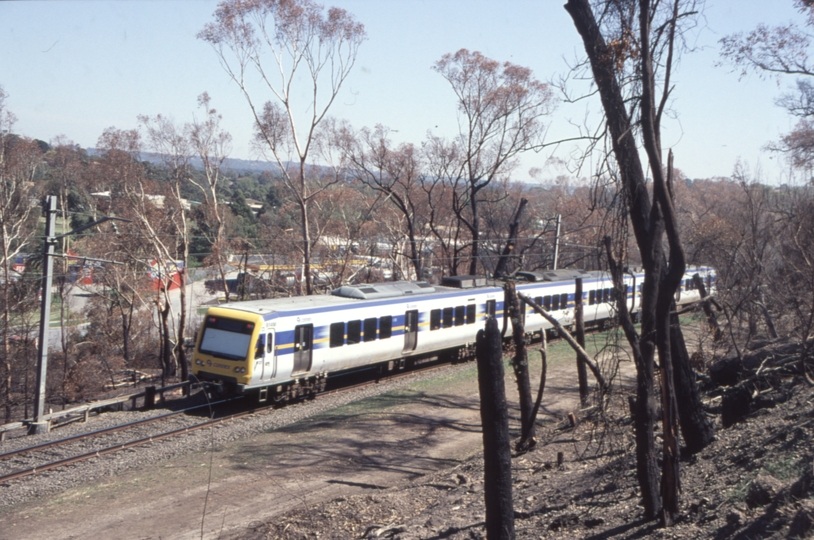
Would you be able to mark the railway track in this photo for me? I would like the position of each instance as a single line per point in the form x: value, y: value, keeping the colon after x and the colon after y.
x: 50, y: 455
x: 77, y: 448
x: 39, y: 458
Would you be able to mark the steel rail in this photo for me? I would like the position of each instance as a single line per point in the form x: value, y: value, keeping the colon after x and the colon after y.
x: 115, y: 448
x: 102, y: 431
x: 138, y: 442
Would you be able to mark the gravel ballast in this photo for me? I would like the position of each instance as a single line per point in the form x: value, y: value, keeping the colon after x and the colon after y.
x: 63, y: 478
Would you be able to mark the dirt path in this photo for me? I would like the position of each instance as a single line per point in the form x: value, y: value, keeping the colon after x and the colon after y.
x: 368, y: 445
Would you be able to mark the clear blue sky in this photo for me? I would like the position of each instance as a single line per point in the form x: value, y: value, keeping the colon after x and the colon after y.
x: 74, y: 68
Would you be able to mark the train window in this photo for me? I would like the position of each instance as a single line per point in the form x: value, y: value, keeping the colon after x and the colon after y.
x: 269, y: 342
x: 370, y: 329
x: 447, y: 317
x: 226, y: 338
x: 435, y: 319
x: 606, y: 295
x: 385, y: 327
x: 471, y: 314
x: 538, y: 300
x: 354, y: 332
x: 555, y: 302
x: 591, y: 298
x: 563, y: 300
x: 612, y: 294
x: 460, y: 315
x: 491, y: 308
x: 547, y: 302
x: 337, y: 338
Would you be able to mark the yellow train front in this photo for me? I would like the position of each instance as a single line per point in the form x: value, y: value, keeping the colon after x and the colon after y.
x: 226, y: 347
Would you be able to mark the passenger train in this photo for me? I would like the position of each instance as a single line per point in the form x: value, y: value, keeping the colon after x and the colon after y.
x: 284, y: 348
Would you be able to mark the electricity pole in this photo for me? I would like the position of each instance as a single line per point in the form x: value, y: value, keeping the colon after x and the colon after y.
x: 40, y: 425
x: 557, y: 241
x: 50, y: 210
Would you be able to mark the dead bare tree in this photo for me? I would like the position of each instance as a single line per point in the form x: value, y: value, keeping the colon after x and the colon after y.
x: 497, y: 467
x: 628, y: 27
x: 520, y: 365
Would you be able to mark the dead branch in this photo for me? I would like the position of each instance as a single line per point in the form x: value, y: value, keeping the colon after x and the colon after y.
x: 570, y: 339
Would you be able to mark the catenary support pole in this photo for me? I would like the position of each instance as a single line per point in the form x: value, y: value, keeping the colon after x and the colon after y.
x: 50, y: 210
x: 557, y: 241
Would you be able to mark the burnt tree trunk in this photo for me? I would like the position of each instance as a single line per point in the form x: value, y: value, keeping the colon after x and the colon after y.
x: 543, y: 370
x: 643, y: 408
x: 520, y: 364
x: 767, y: 317
x: 648, y: 235
x: 494, y: 411
x: 669, y: 408
x: 712, y: 318
x: 582, y: 369
x: 168, y: 367
x: 503, y: 262
x: 697, y: 430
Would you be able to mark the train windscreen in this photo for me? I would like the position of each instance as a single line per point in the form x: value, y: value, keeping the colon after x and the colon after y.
x: 226, y: 338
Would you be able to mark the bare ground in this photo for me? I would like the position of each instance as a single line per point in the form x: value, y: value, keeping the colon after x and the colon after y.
x: 407, y: 465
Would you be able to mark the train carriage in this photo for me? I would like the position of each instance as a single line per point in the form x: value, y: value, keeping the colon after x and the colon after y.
x: 287, y: 347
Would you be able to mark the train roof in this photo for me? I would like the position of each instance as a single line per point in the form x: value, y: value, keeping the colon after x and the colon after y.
x: 273, y: 305
x: 363, y: 294
x: 374, y: 293
x: 555, y: 275
x: 388, y: 289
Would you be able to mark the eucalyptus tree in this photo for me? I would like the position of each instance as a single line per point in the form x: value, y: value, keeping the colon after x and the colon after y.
x: 783, y: 50
x: 397, y: 173
x: 19, y: 159
x: 501, y: 113
x: 212, y: 145
x: 172, y: 143
x: 295, y: 48
x: 150, y: 240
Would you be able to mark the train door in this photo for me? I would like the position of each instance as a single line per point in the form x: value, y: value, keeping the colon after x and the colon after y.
x: 303, y: 345
x: 270, y: 360
x: 410, y: 331
x: 491, y: 308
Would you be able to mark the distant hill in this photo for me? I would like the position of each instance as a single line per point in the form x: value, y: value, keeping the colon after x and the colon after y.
x: 233, y: 164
